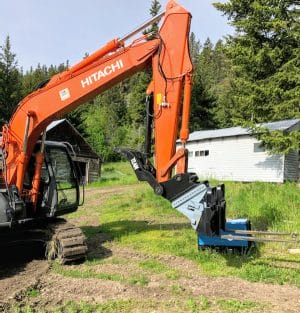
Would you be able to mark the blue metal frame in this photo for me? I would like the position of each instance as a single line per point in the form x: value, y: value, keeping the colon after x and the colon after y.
x: 216, y: 241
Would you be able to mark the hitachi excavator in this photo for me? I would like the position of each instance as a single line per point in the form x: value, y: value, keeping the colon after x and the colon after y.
x: 39, y: 181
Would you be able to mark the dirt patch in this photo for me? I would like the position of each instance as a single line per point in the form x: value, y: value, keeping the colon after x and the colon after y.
x: 119, y: 264
x: 56, y: 289
x: 17, y: 277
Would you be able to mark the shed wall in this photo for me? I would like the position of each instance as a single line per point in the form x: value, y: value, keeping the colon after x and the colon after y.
x: 233, y: 158
x: 94, y: 170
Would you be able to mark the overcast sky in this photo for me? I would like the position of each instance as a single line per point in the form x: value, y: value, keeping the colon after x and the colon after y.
x: 53, y: 31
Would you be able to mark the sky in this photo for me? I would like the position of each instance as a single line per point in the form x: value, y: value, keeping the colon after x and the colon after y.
x: 54, y: 31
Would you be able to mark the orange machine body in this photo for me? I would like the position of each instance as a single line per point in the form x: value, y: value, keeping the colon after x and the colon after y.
x: 168, y: 53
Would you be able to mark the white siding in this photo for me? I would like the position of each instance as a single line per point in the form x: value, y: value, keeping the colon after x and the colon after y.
x: 233, y: 158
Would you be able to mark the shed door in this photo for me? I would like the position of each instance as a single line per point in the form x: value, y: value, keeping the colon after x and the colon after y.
x: 83, y: 166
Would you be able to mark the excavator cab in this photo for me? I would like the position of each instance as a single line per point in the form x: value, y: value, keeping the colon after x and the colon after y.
x: 59, y: 181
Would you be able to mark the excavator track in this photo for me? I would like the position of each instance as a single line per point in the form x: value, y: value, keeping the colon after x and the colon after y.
x: 67, y: 243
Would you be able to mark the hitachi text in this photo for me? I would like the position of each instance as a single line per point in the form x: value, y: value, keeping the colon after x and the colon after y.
x: 108, y: 70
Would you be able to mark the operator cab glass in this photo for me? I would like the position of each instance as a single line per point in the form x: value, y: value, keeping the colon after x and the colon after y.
x: 62, y: 173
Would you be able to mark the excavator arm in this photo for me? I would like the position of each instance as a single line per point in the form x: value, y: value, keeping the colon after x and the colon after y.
x: 170, y: 89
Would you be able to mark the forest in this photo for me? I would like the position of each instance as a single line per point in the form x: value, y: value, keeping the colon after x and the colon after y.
x: 244, y: 79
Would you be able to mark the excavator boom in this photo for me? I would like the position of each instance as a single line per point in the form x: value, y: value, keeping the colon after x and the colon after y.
x: 167, y: 54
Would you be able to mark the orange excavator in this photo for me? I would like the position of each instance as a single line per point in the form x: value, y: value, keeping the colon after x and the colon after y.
x: 39, y: 181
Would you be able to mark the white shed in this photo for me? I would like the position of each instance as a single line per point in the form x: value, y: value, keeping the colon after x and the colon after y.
x: 233, y: 154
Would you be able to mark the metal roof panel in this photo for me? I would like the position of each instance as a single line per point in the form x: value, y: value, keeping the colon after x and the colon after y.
x: 240, y: 131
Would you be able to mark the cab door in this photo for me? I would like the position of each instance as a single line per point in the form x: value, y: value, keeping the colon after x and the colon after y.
x: 63, y: 189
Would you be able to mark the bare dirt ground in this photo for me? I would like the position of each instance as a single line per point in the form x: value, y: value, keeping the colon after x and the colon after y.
x: 17, y: 277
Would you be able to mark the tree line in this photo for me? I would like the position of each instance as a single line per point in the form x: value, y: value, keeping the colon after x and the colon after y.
x: 247, y: 78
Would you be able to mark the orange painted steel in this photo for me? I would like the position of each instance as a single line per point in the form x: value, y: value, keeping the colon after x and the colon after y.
x: 184, y: 131
x: 175, y: 65
x: 39, y: 160
x: 171, y: 66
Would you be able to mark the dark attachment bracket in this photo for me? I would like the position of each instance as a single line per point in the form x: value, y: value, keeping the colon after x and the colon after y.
x: 202, y: 204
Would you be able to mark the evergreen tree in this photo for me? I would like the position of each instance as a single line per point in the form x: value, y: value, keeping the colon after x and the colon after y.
x: 33, y: 78
x: 209, y: 84
x: 194, y: 47
x: 220, y: 86
x: 10, y: 82
x: 201, y: 101
x: 136, y: 98
x: 137, y: 90
x: 105, y: 120
x: 154, y: 10
x: 266, y: 57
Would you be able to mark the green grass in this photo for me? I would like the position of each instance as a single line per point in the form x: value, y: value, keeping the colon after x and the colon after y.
x: 121, y: 306
x: 114, y: 174
x: 32, y: 292
x: 146, y: 222
x: 232, y: 306
x: 268, y: 205
x: 158, y: 267
x: 190, y: 305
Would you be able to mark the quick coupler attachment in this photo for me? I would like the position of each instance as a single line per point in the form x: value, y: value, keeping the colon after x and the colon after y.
x: 203, y: 205
x: 142, y: 167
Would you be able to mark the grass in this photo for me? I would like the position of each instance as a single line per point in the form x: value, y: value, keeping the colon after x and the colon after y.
x: 158, y: 267
x: 140, y: 220
x: 232, y: 305
x: 146, y: 222
x: 32, y: 292
x: 267, y: 205
x: 191, y: 304
x: 114, y: 174
x: 121, y: 306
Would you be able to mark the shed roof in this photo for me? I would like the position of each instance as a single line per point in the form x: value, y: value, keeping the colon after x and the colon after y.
x: 54, y: 124
x: 63, y: 131
x: 284, y: 125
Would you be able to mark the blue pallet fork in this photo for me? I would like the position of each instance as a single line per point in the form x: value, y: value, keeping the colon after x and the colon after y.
x: 238, y: 236
x: 219, y: 242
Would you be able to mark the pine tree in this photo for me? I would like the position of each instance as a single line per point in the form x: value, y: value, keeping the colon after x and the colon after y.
x: 201, y: 101
x: 10, y: 82
x: 137, y: 87
x: 265, y: 54
x: 220, y: 86
x: 154, y: 10
x: 34, y: 77
x: 209, y: 83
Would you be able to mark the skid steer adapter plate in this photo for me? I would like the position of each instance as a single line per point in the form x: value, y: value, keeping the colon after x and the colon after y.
x: 202, y: 204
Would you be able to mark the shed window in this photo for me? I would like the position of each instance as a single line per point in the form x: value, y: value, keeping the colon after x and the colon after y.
x: 258, y: 147
x: 191, y: 153
x: 202, y: 153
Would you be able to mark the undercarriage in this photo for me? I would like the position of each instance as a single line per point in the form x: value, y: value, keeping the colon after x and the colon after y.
x: 60, y: 239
